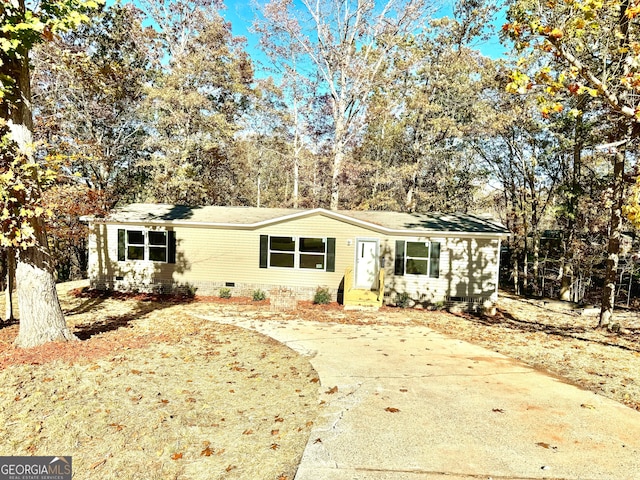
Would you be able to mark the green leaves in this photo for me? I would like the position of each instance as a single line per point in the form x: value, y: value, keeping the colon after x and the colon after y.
x: 566, y: 38
x: 20, y: 184
x: 25, y: 27
x: 195, y: 106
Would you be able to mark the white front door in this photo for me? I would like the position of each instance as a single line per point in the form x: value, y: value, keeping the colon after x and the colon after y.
x: 366, y: 264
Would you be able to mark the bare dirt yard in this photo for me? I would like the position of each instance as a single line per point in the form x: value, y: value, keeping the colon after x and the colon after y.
x: 151, y: 391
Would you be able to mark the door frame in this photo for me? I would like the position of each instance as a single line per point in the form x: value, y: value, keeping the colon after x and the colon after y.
x: 356, y: 282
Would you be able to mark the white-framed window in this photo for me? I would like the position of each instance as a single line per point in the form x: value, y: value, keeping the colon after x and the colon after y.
x: 313, y: 253
x: 417, y: 258
x: 158, y: 246
x: 297, y: 252
x: 143, y: 244
x: 306, y: 253
x: 282, y: 252
x: 134, y: 244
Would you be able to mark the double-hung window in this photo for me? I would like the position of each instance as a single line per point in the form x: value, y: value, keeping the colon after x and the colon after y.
x: 282, y: 252
x: 158, y: 246
x: 297, y: 252
x: 142, y: 244
x: 313, y: 253
x: 417, y: 258
x: 135, y: 244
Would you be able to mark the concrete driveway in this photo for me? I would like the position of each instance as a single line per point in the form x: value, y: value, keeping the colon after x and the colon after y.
x: 407, y: 403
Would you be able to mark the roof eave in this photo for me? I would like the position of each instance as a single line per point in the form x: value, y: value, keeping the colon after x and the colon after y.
x: 306, y: 213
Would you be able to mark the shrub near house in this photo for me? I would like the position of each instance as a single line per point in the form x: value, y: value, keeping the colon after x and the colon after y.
x: 429, y: 258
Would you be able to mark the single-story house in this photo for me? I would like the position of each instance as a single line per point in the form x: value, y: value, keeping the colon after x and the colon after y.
x: 433, y: 259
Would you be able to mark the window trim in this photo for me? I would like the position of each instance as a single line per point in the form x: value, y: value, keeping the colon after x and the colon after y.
x: 432, y: 258
x: 128, y: 245
x: 426, y: 259
x: 124, y: 244
x: 149, y: 246
x: 297, y: 253
x: 292, y: 253
x: 328, y: 256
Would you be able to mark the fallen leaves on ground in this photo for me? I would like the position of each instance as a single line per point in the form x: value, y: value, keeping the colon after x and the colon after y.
x: 146, y: 388
x: 241, y: 382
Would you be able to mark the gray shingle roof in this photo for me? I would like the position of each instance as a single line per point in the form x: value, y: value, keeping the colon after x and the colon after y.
x: 249, y: 217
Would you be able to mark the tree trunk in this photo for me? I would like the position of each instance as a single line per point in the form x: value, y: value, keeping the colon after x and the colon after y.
x: 297, y: 150
x: 41, y: 318
x: 568, y: 247
x: 613, y: 250
x: 296, y: 181
x: 515, y: 269
x: 536, y: 262
x: 339, y: 148
x: 525, y: 260
x: 566, y: 280
x: 11, y: 275
x: 615, y: 229
x: 335, y: 179
x: 410, y: 202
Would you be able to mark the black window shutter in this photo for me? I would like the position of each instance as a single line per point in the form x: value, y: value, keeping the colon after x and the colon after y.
x: 331, y: 254
x: 399, y: 265
x: 121, y: 245
x: 171, y: 254
x: 434, y: 260
x: 264, y: 250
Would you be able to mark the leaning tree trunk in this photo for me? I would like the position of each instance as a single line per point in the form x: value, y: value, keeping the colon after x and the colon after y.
x: 41, y: 318
x: 613, y: 250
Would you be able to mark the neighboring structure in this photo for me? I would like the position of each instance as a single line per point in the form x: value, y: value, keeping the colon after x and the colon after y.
x: 434, y: 259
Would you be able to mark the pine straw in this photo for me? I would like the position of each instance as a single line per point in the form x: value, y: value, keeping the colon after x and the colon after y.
x: 154, y: 393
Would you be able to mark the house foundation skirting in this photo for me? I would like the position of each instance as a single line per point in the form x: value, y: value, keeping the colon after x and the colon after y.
x: 466, y: 304
x: 205, y: 288
x: 469, y: 304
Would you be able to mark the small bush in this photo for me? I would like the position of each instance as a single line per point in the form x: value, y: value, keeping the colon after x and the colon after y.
x: 440, y: 305
x: 224, y: 293
x: 322, y: 296
x: 258, y: 295
x: 403, y: 300
x: 188, y: 290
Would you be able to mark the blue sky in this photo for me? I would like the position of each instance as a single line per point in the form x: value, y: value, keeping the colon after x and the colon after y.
x: 241, y: 15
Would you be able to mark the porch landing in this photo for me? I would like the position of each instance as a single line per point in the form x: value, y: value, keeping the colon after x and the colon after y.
x: 362, y: 299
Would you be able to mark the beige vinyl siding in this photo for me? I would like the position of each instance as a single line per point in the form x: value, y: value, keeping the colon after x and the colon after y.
x: 107, y: 272
x: 468, y: 269
x: 210, y: 257
x: 216, y: 256
x: 421, y: 288
x: 473, y: 267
